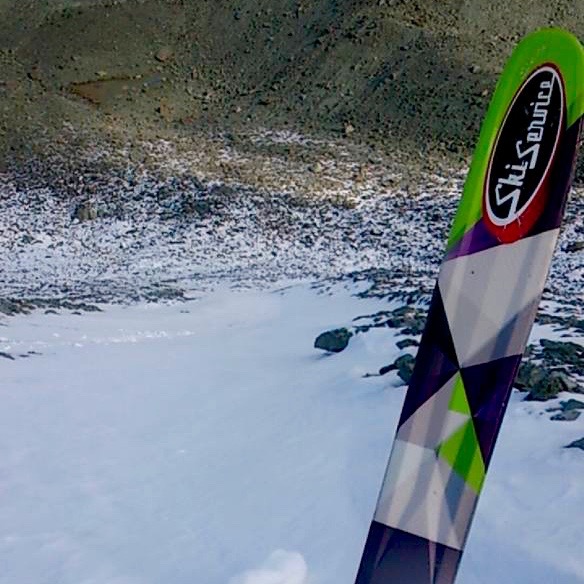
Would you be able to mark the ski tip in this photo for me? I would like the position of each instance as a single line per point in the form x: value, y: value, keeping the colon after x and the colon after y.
x: 549, y: 58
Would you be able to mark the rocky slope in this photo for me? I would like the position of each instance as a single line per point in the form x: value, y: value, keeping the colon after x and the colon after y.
x: 147, y: 143
x: 413, y: 75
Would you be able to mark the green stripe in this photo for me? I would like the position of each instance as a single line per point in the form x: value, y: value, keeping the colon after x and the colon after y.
x: 463, y: 453
x: 458, y: 401
x: 545, y: 46
x: 461, y: 449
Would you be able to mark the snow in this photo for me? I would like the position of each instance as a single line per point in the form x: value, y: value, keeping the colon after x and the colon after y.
x: 253, y: 237
x: 280, y: 568
x: 197, y: 216
x: 207, y: 442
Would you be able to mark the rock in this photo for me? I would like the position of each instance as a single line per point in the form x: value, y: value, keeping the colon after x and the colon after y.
x: 572, y: 404
x: 35, y: 73
x: 575, y: 246
x: 407, y: 343
x: 529, y: 376
x: 164, y: 110
x: 405, y: 367
x: 387, y: 368
x: 192, y: 206
x: 416, y: 327
x: 85, y: 212
x: 411, y: 320
x: 576, y: 444
x: 550, y: 386
x: 562, y: 352
x: 10, y: 307
x: 570, y: 385
x: 164, y: 54
x: 349, y: 129
x: 333, y: 341
x: 566, y: 416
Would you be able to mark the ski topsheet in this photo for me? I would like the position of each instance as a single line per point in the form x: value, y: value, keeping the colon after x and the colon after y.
x: 482, y: 310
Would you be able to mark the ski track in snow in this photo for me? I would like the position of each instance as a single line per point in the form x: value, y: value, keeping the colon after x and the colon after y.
x: 196, y: 442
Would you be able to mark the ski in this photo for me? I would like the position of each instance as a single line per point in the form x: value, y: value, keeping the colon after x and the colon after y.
x: 482, y: 310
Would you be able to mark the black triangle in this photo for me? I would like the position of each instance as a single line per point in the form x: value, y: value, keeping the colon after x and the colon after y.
x: 436, y: 361
x: 488, y: 387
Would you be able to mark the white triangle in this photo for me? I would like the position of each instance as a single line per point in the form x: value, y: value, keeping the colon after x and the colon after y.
x: 483, y: 291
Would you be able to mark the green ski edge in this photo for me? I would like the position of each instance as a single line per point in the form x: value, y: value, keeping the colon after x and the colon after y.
x: 552, y: 45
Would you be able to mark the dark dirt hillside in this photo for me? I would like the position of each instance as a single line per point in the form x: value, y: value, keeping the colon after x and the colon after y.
x: 403, y: 75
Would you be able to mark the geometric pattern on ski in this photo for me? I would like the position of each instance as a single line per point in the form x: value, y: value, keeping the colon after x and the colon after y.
x: 435, y: 470
x: 489, y: 317
x: 488, y: 387
x: 394, y: 556
x: 437, y: 355
x: 447, y: 431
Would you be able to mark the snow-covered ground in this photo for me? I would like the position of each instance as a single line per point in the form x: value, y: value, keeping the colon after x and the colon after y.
x: 194, y: 217
x: 207, y: 442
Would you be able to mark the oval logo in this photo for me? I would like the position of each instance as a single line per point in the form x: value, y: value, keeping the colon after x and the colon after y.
x: 517, y: 179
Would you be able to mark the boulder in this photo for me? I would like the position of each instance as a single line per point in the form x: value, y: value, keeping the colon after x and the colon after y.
x: 164, y: 54
x: 407, y: 343
x: 85, y: 212
x: 333, y: 341
x: 405, y: 367
x: 550, y: 386
x: 387, y: 368
x: 577, y: 444
x: 575, y: 246
x: 562, y: 353
x: 566, y: 416
x: 572, y: 404
x: 529, y: 375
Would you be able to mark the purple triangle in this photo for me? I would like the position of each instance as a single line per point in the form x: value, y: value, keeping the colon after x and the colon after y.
x: 436, y: 361
x: 488, y: 387
x: 478, y: 238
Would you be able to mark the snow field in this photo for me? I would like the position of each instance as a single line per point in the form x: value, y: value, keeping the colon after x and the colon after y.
x: 207, y: 442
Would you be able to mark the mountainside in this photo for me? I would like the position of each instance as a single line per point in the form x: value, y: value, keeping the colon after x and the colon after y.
x: 414, y: 76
